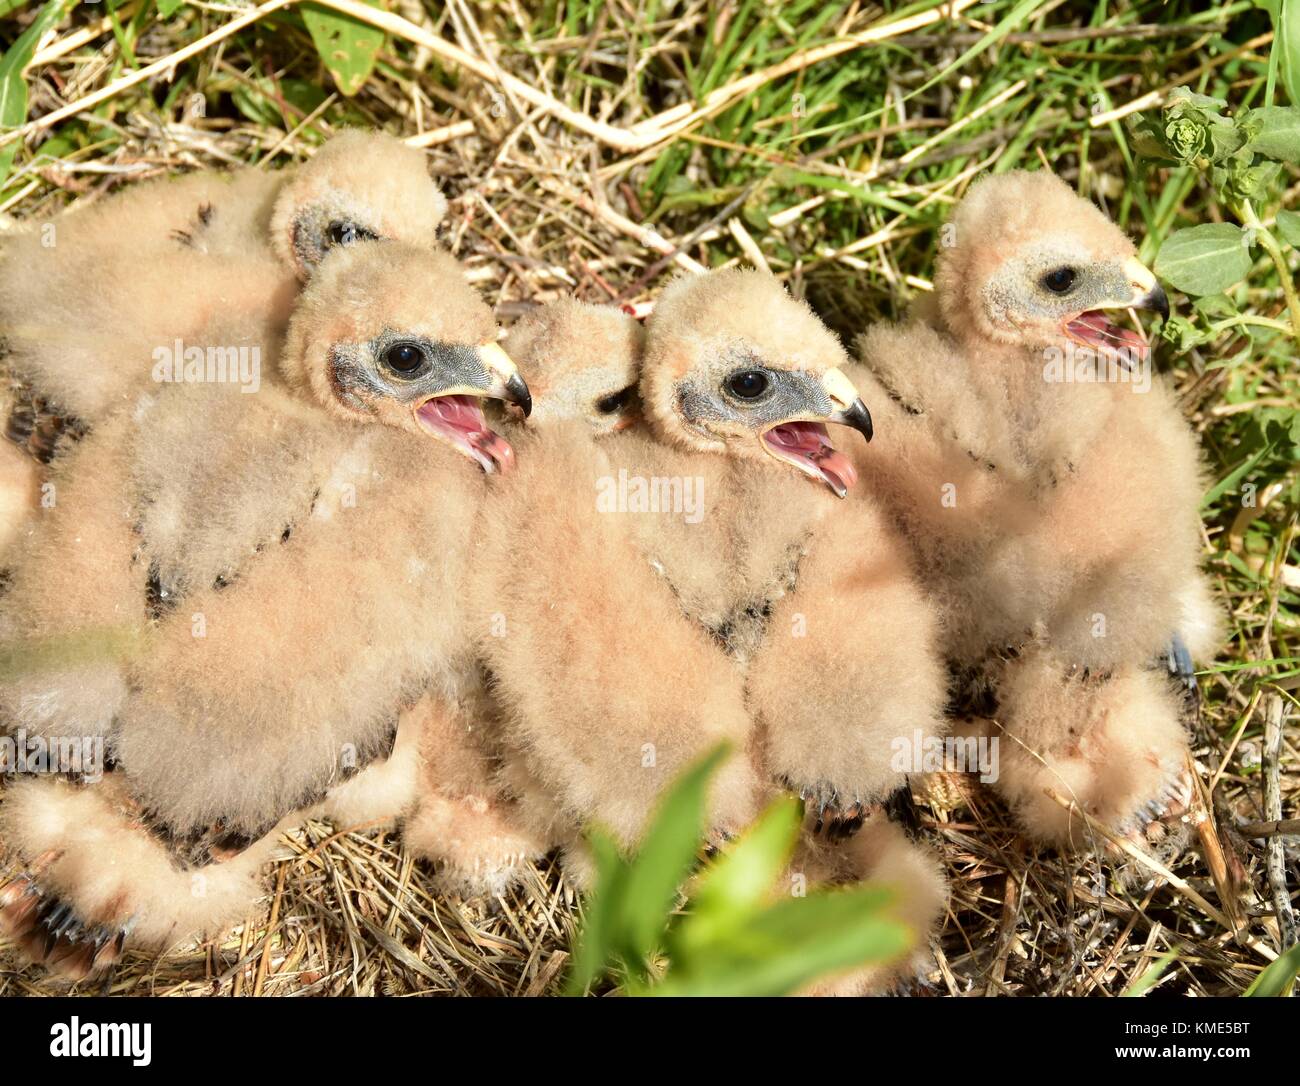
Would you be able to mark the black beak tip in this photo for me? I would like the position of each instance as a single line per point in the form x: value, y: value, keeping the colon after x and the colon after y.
x: 860, y: 419
x: 1158, y: 300
x: 520, y: 395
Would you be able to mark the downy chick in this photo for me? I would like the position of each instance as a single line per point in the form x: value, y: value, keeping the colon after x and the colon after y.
x: 695, y: 528
x: 834, y: 636
x: 443, y: 766
x: 1048, y: 482
x: 350, y: 609
x: 664, y: 631
x: 304, y: 569
x: 479, y: 814
x: 840, y: 659
x: 86, y: 298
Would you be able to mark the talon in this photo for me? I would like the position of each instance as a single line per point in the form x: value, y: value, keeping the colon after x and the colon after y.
x: 17, y: 905
x: 109, y: 953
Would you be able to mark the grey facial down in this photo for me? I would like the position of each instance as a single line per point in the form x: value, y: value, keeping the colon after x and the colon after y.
x: 319, y: 229
x: 789, y: 394
x: 361, y: 373
x: 1020, y: 287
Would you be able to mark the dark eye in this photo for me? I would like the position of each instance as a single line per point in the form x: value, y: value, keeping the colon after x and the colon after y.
x: 615, y: 402
x: 747, y: 384
x: 346, y: 233
x: 1060, y: 280
x: 404, y: 357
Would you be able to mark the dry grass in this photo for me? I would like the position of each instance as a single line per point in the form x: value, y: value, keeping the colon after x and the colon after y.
x: 542, y: 207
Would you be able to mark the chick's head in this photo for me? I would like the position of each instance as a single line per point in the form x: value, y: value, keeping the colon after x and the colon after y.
x: 582, y: 362
x: 734, y: 365
x: 1025, y: 262
x: 391, y: 333
x: 359, y: 186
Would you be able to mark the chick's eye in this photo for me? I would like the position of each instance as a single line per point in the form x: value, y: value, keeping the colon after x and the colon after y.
x: 404, y: 357
x: 347, y: 233
x: 342, y: 233
x: 747, y: 384
x: 614, y: 402
x: 1059, y: 280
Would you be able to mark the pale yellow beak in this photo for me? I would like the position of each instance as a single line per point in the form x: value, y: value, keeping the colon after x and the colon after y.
x: 848, y: 408
x: 1147, y: 292
x: 507, y: 383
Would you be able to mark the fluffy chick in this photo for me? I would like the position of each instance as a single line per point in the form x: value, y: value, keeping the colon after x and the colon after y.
x: 480, y: 814
x: 444, y: 765
x: 202, y: 494
x: 837, y: 648
x: 372, y: 556
x: 737, y: 385
x: 1032, y: 468
x: 316, y: 562
x: 86, y: 298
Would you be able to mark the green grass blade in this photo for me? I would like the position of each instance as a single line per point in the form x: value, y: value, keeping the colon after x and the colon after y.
x: 1279, y: 978
x: 13, y: 88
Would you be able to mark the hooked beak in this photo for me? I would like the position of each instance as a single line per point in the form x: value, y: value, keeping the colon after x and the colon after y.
x: 1147, y: 293
x: 1094, y: 330
x: 455, y: 415
x: 848, y: 405
x: 805, y: 444
x: 507, y: 384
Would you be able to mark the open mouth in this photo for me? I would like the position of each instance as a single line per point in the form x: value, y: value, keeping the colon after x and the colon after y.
x: 807, y: 446
x: 1093, y: 329
x: 459, y: 421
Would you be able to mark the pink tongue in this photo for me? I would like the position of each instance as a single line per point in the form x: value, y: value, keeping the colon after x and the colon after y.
x: 1106, y: 334
x: 459, y: 412
x: 462, y: 417
x: 494, y: 446
x: 809, y: 441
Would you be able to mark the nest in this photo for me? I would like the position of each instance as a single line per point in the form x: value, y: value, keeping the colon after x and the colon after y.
x: 542, y: 208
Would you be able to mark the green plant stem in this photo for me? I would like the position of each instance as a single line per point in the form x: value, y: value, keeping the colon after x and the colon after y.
x: 1248, y: 318
x: 1269, y: 243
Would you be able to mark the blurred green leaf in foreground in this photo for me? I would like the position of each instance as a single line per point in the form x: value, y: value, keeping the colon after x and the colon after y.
x: 737, y: 935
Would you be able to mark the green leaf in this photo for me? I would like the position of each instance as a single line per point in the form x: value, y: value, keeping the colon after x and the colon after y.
x: 1287, y: 42
x: 1204, y: 259
x: 667, y: 853
x: 1288, y: 225
x: 739, y: 880
x: 1148, y: 979
x: 302, y: 95
x: 13, y: 88
x: 786, y: 946
x: 1184, y: 100
x: 1279, y: 133
x: 1215, y: 306
x: 347, y: 46
x: 1225, y: 140
x: 1279, y: 977
x: 595, y: 947
x: 168, y: 8
x: 1230, y: 481
x: 743, y: 875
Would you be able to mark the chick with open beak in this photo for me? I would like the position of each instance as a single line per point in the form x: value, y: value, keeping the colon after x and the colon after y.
x: 1131, y: 286
x: 390, y: 333
x: 1046, y: 279
x: 734, y: 365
